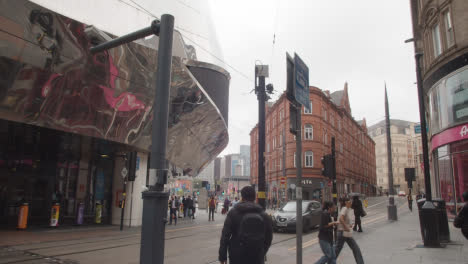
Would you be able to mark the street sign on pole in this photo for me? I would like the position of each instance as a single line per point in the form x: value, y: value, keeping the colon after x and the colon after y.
x: 301, y: 82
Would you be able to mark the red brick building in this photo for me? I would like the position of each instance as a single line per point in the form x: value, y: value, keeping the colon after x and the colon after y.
x: 330, y: 117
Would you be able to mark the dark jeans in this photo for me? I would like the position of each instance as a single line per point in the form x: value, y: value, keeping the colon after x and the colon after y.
x: 352, y: 244
x: 329, y: 251
x: 185, y: 211
x: 211, y: 214
x: 357, y: 222
x: 191, y: 212
x: 173, y: 213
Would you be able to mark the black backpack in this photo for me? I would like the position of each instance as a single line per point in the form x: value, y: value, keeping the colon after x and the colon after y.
x: 252, y: 233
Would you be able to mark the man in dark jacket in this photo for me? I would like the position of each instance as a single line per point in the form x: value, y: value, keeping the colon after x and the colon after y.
x: 184, y: 206
x: 357, y: 207
x: 191, y: 207
x: 230, y: 238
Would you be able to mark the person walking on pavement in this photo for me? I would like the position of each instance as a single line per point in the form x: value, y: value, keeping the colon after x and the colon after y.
x: 212, y: 207
x: 226, y: 205
x: 185, y: 206
x: 358, y: 212
x: 174, y: 204
x: 191, y: 207
x: 247, y: 232
x: 326, y: 234
x: 345, y: 233
x: 410, y: 201
x: 461, y: 220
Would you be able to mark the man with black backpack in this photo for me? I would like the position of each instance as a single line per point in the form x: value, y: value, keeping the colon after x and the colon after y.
x: 247, y: 232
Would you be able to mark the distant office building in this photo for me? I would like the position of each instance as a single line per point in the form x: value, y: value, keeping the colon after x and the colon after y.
x: 245, y: 159
x: 406, y: 153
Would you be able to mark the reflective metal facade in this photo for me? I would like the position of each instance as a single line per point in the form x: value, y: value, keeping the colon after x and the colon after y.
x: 49, y: 78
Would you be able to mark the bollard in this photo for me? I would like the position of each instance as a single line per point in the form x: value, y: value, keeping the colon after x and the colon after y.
x: 98, y: 216
x: 54, y: 215
x: 23, y: 216
x: 80, y: 213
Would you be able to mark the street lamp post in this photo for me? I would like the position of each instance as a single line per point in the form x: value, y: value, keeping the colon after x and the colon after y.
x: 154, y: 200
x: 428, y: 214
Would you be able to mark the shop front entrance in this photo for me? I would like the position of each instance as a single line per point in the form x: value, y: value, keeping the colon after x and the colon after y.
x: 44, y: 168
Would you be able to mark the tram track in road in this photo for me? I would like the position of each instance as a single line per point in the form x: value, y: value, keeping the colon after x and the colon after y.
x: 30, y: 251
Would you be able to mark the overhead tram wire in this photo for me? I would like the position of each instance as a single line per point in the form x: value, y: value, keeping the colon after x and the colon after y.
x: 143, y: 9
x: 275, y: 26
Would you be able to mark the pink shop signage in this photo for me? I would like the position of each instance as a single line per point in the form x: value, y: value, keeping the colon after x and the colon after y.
x: 450, y: 135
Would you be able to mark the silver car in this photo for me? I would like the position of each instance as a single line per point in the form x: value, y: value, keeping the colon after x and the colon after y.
x: 285, y: 217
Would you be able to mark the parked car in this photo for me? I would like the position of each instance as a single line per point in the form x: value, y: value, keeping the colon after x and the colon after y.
x: 401, y: 193
x: 285, y: 217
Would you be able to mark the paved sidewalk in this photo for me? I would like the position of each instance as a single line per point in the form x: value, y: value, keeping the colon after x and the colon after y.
x: 401, y: 242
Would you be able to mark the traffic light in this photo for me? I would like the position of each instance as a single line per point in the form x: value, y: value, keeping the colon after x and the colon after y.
x: 327, y: 163
x: 223, y: 192
x: 198, y: 193
x: 132, y: 164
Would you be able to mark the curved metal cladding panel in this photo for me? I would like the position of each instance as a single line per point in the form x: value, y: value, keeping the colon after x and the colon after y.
x: 215, y: 83
x: 49, y: 78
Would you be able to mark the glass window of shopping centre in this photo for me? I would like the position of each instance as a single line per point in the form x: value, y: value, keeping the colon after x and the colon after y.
x: 448, y: 116
x: 43, y: 167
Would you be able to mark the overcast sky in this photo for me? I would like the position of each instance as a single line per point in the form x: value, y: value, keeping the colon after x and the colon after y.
x: 360, y: 41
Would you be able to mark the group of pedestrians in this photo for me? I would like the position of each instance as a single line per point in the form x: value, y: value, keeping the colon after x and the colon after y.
x: 247, y: 232
x: 178, y: 206
x: 330, y: 249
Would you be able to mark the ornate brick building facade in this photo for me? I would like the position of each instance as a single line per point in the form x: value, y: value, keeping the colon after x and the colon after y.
x: 330, y: 117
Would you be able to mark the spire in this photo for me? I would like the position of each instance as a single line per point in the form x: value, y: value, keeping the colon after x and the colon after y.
x: 386, y: 99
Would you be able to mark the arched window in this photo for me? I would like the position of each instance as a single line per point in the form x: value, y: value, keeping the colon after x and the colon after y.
x: 308, y: 132
x: 309, y: 159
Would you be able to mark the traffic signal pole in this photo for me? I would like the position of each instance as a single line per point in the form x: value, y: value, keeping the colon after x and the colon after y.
x: 333, y: 174
x: 298, y: 184
x: 261, y: 95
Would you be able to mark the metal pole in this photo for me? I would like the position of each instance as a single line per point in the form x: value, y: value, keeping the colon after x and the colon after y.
x: 261, y: 141
x: 155, y: 201
x: 334, y: 191
x: 422, y: 117
x: 392, y: 210
x: 142, y: 33
x: 298, y: 184
x: 284, y: 166
x: 123, y: 204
